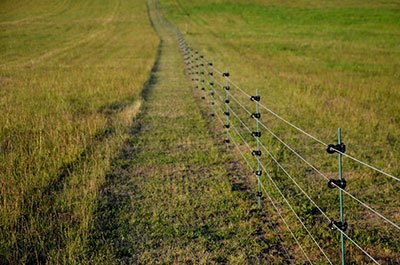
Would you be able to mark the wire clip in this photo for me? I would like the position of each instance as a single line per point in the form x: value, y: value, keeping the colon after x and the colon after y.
x: 226, y: 101
x: 212, y: 93
x: 225, y: 74
x: 259, y: 194
x: 226, y: 113
x: 256, y: 115
x: 211, y: 83
x: 211, y: 73
x: 202, y: 97
x: 342, y: 226
x: 256, y: 134
x: 227, y: 126
x: 227, y: 87
x: 258, y: 173
x: 203, y: 88
x: 332, y: 148
x: 256, y: 153
x: 255, y: 98
x: 227, y: 140
x: 333, y: 183
x: 210, y: 64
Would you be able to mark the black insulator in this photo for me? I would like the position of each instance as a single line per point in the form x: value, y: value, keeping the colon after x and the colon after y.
x: 256, y: 134
x: 225, y: 74
x: 338, y: 225
x: 256, y: 115
x: 256, y: 153
x: 332, y: 148
x: 333, y: 183
x: 255, y: 98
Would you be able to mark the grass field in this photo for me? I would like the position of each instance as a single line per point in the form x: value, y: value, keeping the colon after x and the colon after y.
x: 321, y: 65
x: 71, y: 74
x: 105, y: 157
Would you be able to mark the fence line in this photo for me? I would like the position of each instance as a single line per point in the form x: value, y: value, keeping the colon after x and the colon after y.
x: 304, y: 160
x: 310, y: 135
x: 272, y: 202
x: 312, y: 166
x: 194, y: 63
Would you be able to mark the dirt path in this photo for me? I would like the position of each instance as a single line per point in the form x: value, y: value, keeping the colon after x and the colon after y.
x: 169, y: 198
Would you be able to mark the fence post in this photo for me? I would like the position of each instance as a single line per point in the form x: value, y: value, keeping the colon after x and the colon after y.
x: 201, y: 73
x: 257, y: 153
x: 196, y: 71
x: 340, y: 183
x: 187, y: 58
x: 211, y: 85
x: 341, y: 195
x: 227, y: 112
x: 192, y: 64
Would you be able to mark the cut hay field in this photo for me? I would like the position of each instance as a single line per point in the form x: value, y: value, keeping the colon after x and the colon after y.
x: 71, y: 74
x: 108, y: 157
x: 321, y: 65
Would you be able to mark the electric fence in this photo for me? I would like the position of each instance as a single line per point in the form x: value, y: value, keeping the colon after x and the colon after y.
x: 221, y: 98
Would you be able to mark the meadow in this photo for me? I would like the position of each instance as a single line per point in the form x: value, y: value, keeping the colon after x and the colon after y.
x: 81, y: 183
x: 321, y: 65
x: 71, y: 76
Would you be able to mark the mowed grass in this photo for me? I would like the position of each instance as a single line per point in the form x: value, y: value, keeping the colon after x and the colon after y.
x: 71, y: 74
x: 169, y: 197
x: 321, y: 65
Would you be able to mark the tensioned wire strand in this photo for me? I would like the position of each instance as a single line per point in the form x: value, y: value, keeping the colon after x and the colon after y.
x: 290, y: 206
x: 308, y: 134
x: 250, y: 167
x: 313, y: 167
x: 315, y: 204
x: 324, y: 176
x: 283, y: 219
x: 287, y: 202
x: 309, y: 198
x: 296, y: 182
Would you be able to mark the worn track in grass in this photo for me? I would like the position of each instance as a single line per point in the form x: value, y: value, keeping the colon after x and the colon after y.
x: 169, y: 196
